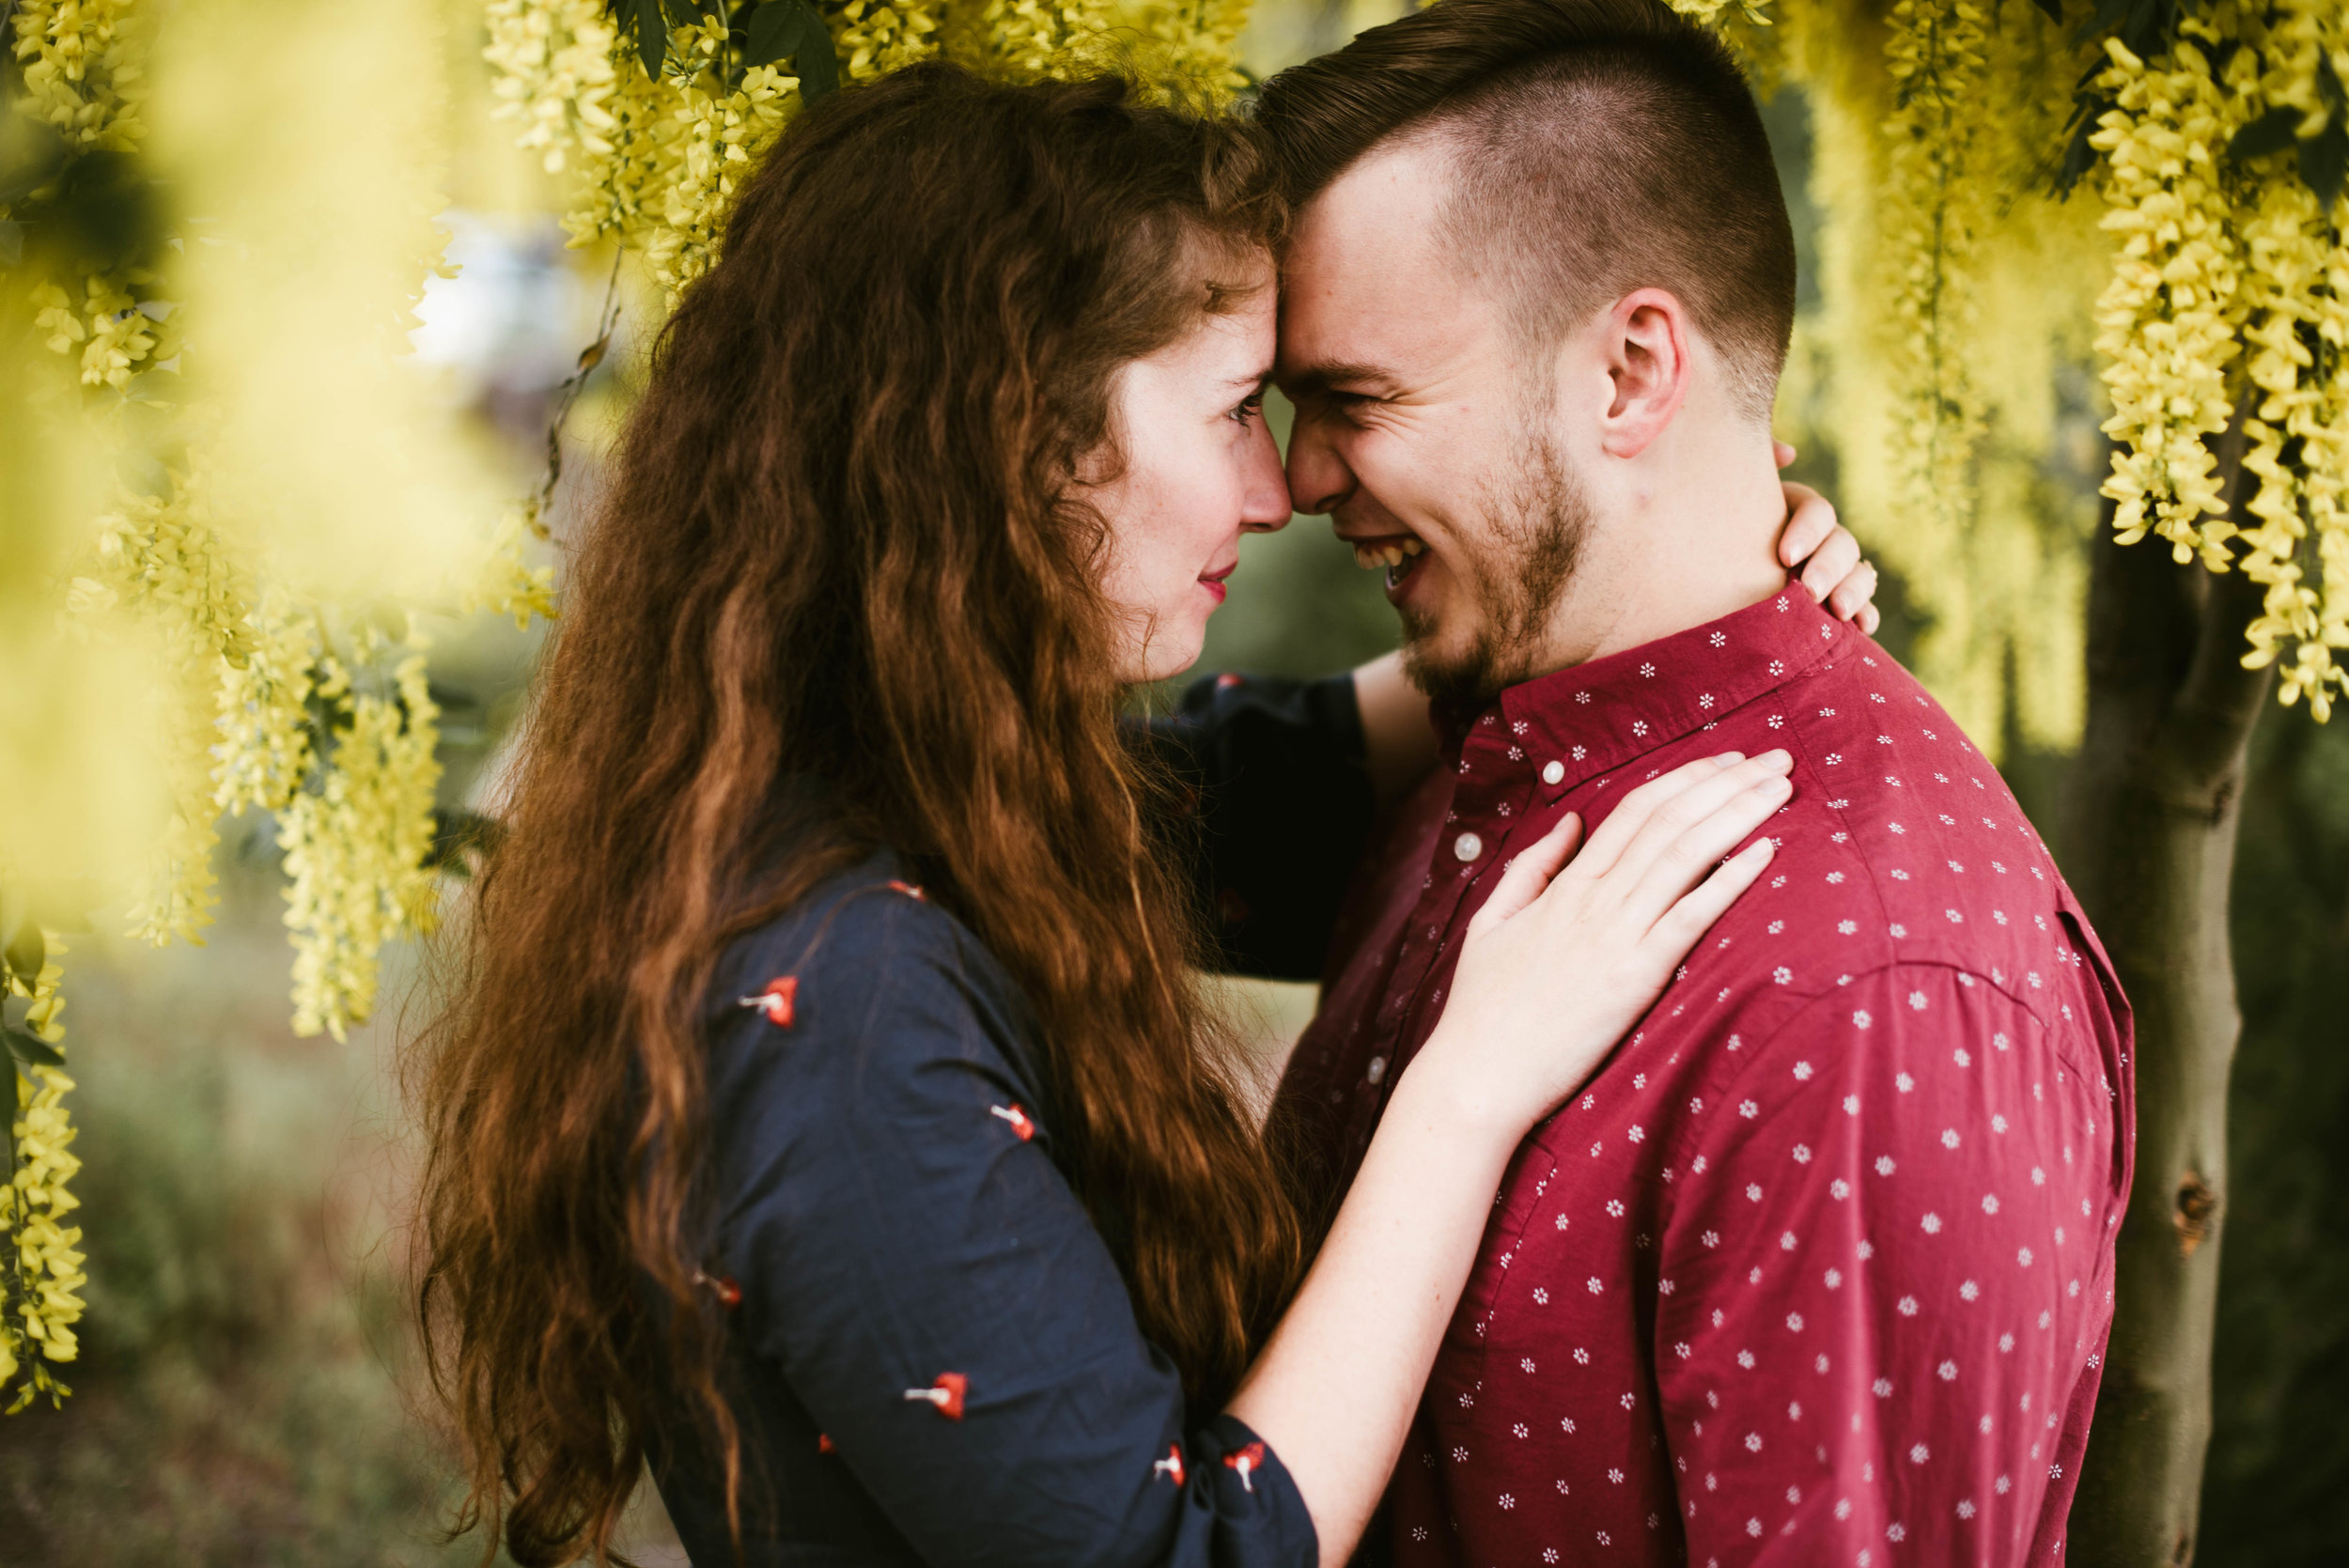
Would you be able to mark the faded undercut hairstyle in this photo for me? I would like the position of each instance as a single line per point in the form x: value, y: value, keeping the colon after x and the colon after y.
x: 1599, y: 146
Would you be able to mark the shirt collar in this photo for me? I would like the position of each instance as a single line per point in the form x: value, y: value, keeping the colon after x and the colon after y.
x: 1592, y: 718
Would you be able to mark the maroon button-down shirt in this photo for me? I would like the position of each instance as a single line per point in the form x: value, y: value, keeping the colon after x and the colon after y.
x: 1818, y: 1269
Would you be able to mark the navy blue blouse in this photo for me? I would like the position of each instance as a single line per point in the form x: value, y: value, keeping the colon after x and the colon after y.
x: 930, y: 1350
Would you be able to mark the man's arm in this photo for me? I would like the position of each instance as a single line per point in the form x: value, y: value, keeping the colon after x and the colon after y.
x: 1880, y: 1286
x: 1398, y: 743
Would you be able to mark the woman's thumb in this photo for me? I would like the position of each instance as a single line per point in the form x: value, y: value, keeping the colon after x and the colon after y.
x: 1529, y: 871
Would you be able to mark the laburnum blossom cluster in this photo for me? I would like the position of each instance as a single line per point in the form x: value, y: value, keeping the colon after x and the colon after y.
x: 654, y: 158
x: 1983, y: 172
x: 2230, y: 305
x: 158, y: 525
x: 41, y: 1259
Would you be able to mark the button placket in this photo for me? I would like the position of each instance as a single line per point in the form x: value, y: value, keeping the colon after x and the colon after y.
x: 1480, y: 798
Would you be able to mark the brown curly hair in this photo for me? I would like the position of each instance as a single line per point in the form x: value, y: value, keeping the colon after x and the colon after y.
x: 842, y: 544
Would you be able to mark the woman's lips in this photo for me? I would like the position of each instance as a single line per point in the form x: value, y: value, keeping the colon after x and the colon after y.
x: 1214, y: 581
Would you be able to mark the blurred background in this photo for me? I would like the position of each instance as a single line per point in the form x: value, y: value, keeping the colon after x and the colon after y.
x: 247, y: 1392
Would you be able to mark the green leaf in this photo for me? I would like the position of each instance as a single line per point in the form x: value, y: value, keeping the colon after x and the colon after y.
x: 792, y: 29
x: 2324, y: 161
x: 774, y: 32
x: 652, y: 33
x: 27, y: 951
x: 30, y: 156
x: 2054, y: 9
x: 32, y: 1051
x: 2272, y: 131
x: 2328, y: 85
x: 814, y: 62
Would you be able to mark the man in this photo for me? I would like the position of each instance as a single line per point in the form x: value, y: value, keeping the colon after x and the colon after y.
x: 1819, y: 1268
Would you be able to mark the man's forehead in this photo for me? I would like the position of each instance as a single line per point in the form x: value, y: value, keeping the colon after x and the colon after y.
x: 1380, y: 213
x: 1365, y: 280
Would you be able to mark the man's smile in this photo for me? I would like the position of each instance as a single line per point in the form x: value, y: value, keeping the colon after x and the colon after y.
x: 1399, y: 554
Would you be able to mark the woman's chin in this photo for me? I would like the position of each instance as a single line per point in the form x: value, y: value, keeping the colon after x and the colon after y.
x: 1165, y: 656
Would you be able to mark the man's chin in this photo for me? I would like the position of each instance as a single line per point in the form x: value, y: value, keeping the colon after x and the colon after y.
x: 1459, y: 682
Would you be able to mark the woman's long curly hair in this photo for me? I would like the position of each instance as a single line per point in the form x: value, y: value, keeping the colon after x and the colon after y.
x: 845, y: 543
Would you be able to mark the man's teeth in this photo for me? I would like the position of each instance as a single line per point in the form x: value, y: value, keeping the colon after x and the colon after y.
x: 1368, y: 556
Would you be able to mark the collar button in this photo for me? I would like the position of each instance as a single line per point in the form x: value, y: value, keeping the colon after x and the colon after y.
x: 1468, y: 846
x: 1553, y: 771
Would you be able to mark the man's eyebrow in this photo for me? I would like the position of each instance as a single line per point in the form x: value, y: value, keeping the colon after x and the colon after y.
x: 1321, y: 377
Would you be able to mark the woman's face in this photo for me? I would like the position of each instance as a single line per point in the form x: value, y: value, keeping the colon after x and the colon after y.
x: 1200, y: 470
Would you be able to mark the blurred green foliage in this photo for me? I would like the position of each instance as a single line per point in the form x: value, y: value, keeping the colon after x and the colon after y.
x: 249, y: 1392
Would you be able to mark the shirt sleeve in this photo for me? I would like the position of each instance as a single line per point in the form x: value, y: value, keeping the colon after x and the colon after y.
x: 1272, y: 775
x: 1878, y: 1280
x: 911, y: 1258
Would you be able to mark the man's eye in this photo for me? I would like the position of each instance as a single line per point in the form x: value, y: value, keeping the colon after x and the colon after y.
x: 1249, y: 408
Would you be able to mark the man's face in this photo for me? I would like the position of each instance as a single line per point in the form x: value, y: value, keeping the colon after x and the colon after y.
x: 1428, y: 442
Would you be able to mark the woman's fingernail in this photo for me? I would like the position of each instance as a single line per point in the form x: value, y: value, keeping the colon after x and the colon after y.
x: 1729, y: 759
x: 1778, y: 758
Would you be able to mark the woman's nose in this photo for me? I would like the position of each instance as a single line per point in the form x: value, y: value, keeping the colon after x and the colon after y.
x: 1265, y: 504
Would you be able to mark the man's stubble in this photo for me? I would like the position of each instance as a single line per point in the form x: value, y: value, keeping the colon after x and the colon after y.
x: 1538, y: 519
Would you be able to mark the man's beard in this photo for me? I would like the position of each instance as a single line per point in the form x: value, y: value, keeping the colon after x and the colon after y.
x: 1537, y: 524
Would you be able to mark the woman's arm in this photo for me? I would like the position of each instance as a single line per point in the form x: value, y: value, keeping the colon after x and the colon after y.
x: 1547, y: 982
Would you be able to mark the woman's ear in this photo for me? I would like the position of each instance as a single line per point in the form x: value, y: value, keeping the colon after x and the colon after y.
x: 1646, y: 348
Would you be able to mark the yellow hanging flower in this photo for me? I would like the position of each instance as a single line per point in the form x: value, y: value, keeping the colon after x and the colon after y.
x: 264, y: 750
x: 2168, y: 320
x: 39, y: 1303
x: 355, y: 845
x: 161, y: 558
x: 875, y: 36
x: 81, y: 70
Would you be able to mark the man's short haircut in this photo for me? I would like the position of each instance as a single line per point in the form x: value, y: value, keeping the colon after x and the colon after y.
x: 1600, y: 146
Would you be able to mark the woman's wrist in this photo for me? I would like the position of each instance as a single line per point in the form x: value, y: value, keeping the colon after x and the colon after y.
x: 1462, y: 1099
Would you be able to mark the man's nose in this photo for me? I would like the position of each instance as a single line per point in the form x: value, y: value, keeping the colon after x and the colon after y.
x: 1318, y: 478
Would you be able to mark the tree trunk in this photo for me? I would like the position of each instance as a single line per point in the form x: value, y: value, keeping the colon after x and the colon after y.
x: 2151, y: 810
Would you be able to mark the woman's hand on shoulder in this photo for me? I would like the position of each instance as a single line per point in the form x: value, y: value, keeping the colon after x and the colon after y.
x: 1572, y: 948
x: 1832, y: 568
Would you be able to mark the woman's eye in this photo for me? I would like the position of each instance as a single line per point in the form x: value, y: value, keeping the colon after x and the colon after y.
x: 1249, y: 408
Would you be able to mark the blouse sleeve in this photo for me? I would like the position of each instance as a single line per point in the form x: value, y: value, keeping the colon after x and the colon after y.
x: 910, y: 1257
x: 1282, y: 806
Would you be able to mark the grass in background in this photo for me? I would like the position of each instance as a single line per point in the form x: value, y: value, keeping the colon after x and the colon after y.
x: 248, y: 1391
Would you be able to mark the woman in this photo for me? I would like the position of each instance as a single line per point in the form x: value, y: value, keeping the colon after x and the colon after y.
x: 825, y: 1114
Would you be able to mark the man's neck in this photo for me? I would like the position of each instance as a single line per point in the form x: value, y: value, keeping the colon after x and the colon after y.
x: 1672, y: 547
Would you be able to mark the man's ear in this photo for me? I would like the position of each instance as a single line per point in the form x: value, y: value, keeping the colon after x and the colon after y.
x: 1644, y: 346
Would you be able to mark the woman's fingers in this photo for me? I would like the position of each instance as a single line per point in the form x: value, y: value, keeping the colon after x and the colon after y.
x: 1530, y: 871
x: 1831, y: 566
x: 1853, y: 594
x: 1683, y: 861
x: 1810, y: 524
x: 1694, y: 913
x: 1685, y: 810
x: 1633, y: 811
x: 1870, y: 618
x: 1782, y: 453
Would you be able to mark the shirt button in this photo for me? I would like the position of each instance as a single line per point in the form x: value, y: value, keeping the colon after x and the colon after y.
x: 1376, y: 1070
x: 1553, y: 771
x: 1468, y: 846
